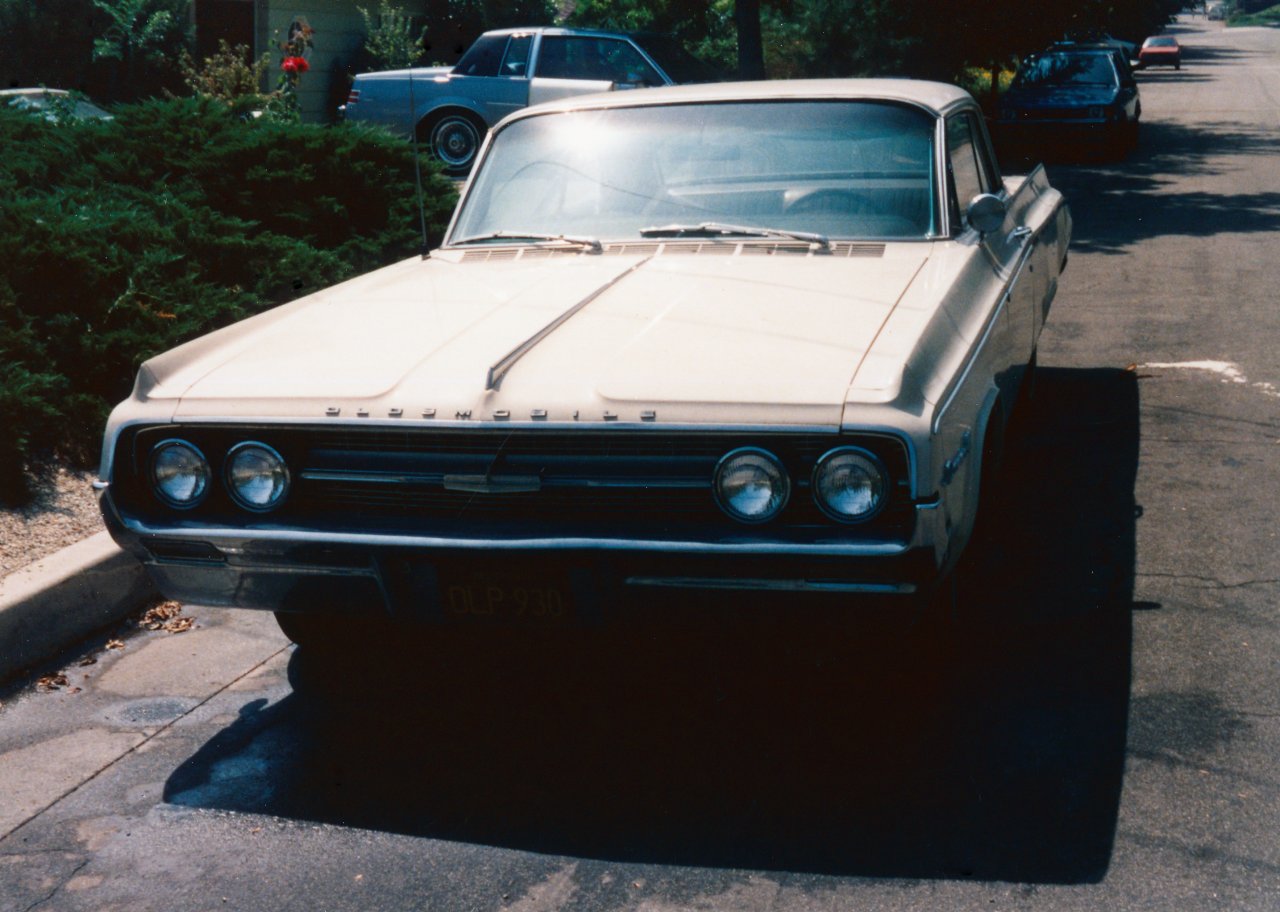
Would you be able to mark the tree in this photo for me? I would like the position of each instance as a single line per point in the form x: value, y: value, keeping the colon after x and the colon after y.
x: 389, y: 37
x: 141, y: 33
x: 746, y: 17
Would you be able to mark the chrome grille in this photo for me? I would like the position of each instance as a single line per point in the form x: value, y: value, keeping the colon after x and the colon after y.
x: 619, y: 483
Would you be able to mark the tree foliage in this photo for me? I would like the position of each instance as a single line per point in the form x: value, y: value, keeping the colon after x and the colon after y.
x: 931, y: 39
x: 117, y: 49
x: 391, y: 41
x: 228, y: 76
x: 122, y: 238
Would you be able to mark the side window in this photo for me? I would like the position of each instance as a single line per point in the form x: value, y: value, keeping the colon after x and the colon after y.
x: 969, y: 177
x: 553, y: 57
x: 516, y: 61
x: 483, y: 58
x: 625, y: 65
x: 594, y: 58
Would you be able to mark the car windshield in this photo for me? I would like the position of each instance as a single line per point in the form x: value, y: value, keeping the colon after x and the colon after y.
x: 845, y: 169
x: 1067, y: 69
x: 1161, y: 42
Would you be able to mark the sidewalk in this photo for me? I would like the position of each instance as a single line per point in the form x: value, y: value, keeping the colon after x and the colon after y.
x: 58, y: 600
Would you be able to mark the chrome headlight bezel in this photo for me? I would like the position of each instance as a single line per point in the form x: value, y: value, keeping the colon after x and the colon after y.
x: 771, y: 467
x: 283, y: 478
x: 870, y: 463
x: 203, y: 474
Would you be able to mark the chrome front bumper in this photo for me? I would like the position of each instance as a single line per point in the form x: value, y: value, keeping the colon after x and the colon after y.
x: 285, y: 569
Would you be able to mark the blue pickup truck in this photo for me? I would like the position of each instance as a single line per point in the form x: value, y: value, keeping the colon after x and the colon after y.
x: 450, y: 109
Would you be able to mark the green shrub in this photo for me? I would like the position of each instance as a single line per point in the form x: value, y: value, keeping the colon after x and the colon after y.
x: 123, y: 238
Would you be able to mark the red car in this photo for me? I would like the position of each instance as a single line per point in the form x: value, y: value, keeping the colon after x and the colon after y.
x: 1160, y: 50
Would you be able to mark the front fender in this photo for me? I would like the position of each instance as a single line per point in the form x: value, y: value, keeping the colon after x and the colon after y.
x: 969, y: 447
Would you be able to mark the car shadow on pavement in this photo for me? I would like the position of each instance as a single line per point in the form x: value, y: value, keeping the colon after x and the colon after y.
x: 1118, y: 205
x: 985, y: 740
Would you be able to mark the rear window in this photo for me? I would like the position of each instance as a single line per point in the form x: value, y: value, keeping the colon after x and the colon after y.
x: 1067, y: 69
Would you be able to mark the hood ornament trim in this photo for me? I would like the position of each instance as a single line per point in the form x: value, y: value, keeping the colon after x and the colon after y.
x: 508, y: 361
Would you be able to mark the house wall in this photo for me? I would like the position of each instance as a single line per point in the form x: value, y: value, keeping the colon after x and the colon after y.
x: 339, y: 33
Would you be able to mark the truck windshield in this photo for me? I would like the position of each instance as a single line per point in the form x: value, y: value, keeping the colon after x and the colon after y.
x: 840, y: 169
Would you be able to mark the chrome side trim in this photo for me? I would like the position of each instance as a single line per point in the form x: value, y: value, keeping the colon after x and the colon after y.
x: 771, y: 585
x: 508, y: 361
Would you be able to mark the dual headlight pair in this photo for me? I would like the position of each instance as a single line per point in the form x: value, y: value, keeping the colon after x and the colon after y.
x: 849, y: 485
x: 255, y: 475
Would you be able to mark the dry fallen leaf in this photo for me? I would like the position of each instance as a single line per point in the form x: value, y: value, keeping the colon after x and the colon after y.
x: 115, y: 644
x: 180, y: 625
x: 166, y: 617
x: 157, y: 615
x: 87, y: 660
x: 52, y: 682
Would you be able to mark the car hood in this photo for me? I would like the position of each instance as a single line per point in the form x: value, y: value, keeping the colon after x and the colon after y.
x: 1059, y: 96
x: 694, y: 338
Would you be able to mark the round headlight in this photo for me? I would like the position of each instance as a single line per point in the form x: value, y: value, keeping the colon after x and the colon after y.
x: 257, y: 477
x: 751, y: 485
x: 849, y: 484
x: 179, y: 473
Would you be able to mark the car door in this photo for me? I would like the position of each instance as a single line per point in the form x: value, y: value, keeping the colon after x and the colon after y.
x: 1007, y: 250
x: 494, y: 75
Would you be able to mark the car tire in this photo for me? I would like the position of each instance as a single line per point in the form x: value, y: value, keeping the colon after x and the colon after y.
x: 453, y: 139
x: 1025, y: 400
x: 320, y: 631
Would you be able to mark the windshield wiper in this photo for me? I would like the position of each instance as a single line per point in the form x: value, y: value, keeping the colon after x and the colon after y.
x: 720, y: 229
x: 588, y: 242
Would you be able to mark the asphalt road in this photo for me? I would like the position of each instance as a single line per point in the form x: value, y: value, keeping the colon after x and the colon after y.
x: 1099, y: 730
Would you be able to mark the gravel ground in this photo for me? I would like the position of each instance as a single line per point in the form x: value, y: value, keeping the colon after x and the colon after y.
x: 65, y: 510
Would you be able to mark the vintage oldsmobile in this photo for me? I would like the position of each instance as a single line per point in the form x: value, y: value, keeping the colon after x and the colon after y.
x: 704, y: 340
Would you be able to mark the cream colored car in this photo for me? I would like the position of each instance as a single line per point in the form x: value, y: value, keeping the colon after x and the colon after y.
x: 759, y: 337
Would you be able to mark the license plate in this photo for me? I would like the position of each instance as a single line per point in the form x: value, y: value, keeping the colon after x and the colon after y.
x: 501, y: 599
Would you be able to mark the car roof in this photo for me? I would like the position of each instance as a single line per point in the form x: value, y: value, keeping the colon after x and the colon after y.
x: 1082, y: 47
x: 936, y: 97
x: 557, y: 30
x: 11, y: 93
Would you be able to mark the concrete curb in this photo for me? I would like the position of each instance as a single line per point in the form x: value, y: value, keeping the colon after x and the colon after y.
x: 51, y: 604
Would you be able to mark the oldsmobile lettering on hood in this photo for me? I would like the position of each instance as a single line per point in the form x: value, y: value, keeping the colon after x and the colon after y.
x: 676, y: 333
x: 699, y: 340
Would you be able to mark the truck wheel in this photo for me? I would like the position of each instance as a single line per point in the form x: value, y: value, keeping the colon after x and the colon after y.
x: 454, y: 139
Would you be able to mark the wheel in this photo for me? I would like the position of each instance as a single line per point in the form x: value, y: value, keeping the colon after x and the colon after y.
x: 315, y: 631
x: 1025, y: 399
x: 454, y: 140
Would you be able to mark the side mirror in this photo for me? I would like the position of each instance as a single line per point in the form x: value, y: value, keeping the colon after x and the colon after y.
x: 986, y: 213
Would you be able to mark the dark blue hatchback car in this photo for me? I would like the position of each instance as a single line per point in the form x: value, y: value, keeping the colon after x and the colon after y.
x: 1071, y: 94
